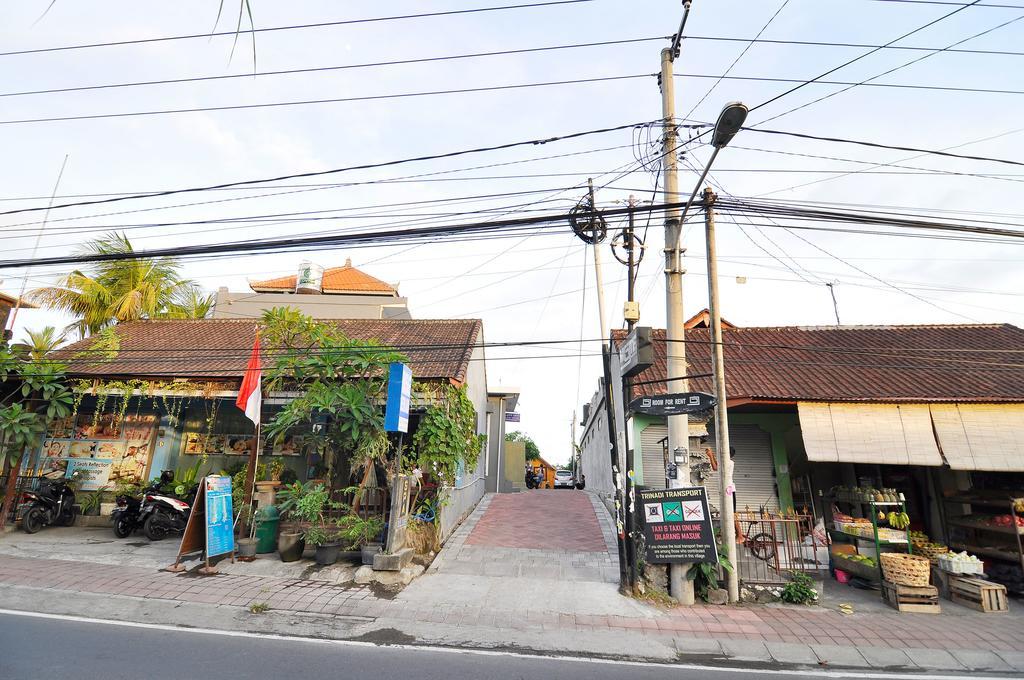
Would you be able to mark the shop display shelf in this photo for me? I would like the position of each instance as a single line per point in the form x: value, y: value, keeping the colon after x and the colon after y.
x: 981, y: 502
x: 986, y: 551
x: 978, y: 523
x: 870, y: 537
x: 855, y: 568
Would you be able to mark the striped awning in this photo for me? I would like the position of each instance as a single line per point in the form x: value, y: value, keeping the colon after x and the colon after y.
x: 981, y: 436
x: 886, y: 434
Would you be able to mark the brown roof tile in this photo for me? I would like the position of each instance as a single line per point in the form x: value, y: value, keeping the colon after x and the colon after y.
x: 220, y: 348
x: 346, y: 279
x: 980, y: 363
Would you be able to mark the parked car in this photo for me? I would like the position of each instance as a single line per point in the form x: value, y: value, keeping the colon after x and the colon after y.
x: 564, y: 480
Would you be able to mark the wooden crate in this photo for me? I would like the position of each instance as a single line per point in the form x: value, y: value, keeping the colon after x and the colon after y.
x: 979, y: 594
x: 919, y: 599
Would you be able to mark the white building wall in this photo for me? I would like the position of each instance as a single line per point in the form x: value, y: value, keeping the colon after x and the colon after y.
x: 595, y: 451
x: 469, y: 489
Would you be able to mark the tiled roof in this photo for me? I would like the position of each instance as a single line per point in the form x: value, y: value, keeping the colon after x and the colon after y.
x: 220, y: 348
x: 346, y: 279
x: 979, y: 363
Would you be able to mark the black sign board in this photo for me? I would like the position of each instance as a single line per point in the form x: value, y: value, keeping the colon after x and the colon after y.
x: 677, y: 526
x: 673, y: 404
x: 636, y: 353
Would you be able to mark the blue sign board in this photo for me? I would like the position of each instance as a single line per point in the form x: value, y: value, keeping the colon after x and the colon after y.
x: 396, y: 414
x: 220, y: 531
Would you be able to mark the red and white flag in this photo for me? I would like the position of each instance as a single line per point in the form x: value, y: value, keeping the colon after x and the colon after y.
x: 250, y: 398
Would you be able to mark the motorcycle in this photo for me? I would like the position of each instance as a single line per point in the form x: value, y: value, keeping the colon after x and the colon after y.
x: 127, y: 516
x: 52, y: 503
x: 532, y: 480
x: 162, y: 514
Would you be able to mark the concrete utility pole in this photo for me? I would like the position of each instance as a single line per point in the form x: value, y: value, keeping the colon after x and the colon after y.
x: 721, y: 410
x: 680, y: 586
x: 597, y: 267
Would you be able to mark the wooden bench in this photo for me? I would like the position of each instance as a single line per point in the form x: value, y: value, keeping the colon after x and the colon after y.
x: 979, y: 594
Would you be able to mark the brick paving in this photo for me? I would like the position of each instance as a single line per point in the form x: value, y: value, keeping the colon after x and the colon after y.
x: 472, y: 588
x: 540, y: 519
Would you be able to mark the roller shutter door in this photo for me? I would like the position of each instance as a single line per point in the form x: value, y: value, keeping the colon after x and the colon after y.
x: 653, y: 456
x: 752, y: 472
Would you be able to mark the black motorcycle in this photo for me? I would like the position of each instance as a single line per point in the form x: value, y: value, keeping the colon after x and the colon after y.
x: 52, y: 503
x: 127, y: 516
x: 533, y: 480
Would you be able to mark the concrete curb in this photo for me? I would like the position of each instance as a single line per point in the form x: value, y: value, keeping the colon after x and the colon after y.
x: 523, y: 637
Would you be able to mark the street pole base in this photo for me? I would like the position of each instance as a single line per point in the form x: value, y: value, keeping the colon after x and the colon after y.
x: 207, y: 571
x: 175, y: 568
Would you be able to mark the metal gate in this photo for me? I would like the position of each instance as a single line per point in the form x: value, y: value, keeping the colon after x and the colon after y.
x: 771, y: 546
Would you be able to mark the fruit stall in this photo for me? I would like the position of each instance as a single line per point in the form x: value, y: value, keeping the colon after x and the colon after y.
x: 873, y: 542
x: 990, y: 525
x: 866, y: 522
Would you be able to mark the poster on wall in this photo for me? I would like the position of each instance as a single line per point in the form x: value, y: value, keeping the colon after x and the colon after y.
x: 92, y: 474
x: 218, y: 444
x: 111, y: 450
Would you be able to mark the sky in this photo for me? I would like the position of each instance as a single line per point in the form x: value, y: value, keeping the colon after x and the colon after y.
x: 538, y: 286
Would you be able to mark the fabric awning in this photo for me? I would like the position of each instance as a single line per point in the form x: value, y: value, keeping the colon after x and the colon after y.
x: 981, y: 436
x: 886, y: 434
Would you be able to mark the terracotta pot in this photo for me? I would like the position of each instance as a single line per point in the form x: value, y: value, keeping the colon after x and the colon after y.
x: 290, y: 545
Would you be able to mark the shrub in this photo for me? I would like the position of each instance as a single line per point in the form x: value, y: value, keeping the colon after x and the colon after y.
x: 799, y: 590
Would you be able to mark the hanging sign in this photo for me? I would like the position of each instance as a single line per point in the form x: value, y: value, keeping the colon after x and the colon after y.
x: 511, y: 417
x: 396, y: 413
x: 220, y: 533
x: 677, y: 526
x: 673, y: 404
x: 636, y: 353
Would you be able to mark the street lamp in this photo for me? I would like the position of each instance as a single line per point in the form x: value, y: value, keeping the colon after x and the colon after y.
x: 730, y: 120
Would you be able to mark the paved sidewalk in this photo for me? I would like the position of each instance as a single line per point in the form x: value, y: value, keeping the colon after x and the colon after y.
x: 552, y: 600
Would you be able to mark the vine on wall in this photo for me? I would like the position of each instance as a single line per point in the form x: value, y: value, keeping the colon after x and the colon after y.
x: 446, y: 435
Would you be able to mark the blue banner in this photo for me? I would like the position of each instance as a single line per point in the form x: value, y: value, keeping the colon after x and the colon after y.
x: 396, y: 414
x: 220, y: 531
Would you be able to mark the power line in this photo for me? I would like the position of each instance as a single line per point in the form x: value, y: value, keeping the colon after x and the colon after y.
x: 877, y: 145
x: 862, y: 56
x: 321, y: 69
x: 818, y: 43
x: 736, y: 60
x: 332, y: 100
x: 852, y: 84
x: 890, y: 71
x: 322, y: 24
x: 321, y: 173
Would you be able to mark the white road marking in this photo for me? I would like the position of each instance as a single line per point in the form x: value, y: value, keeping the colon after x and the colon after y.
x: 853, y: 673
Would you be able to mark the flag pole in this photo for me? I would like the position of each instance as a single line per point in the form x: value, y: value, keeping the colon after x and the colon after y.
x: 254, y: 454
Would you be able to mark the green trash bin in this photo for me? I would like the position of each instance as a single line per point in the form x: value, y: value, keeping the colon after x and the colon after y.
x: 268, y: 519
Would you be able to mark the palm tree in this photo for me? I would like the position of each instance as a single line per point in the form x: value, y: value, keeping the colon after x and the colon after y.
x: 190, y: 304
x: 40, y: 343
x: 117, y: 290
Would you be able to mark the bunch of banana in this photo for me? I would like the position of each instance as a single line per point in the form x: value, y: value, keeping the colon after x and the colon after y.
x: 899, y: 520
x: 1018, y: 506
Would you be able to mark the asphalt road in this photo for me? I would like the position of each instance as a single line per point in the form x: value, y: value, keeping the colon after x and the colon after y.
x: 39, y: 647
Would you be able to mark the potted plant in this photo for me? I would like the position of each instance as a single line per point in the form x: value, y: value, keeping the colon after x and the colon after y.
x: 360, y: 533
x: 274, y: 470
x: 246, y: 546
x: 322, y: 532
x: 290, y: 541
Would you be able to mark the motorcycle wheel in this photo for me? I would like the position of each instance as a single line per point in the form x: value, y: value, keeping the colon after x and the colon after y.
x: 123, y: 528
x: 34, y: 520
x: 156, y: 527
x: 67, y: 517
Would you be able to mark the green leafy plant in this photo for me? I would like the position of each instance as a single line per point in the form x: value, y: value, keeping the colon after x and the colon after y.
x: 356, y: 531
x: 312, y: 507
x: 259, y: 607
x: 274, y: 469
x: 799, y: 590
x: 705, y: 575
x: 446, y: 436
x: 340, y: 382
